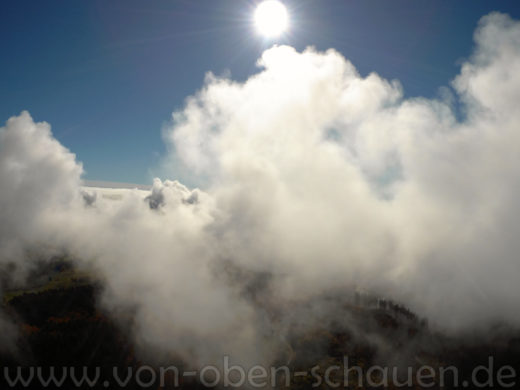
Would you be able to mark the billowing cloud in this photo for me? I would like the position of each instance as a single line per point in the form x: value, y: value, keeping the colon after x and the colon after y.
x: 334, y: 178
x: 38, y: 177
x: 319, y: 179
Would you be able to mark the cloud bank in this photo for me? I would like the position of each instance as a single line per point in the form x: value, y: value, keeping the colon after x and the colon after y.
x: 319, y: 179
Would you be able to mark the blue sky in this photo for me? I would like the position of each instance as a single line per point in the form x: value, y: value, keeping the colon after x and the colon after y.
x: 108, y: 74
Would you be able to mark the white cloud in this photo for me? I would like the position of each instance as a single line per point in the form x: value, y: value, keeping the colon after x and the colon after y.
x: 339, y: 178
x: 38, y: 177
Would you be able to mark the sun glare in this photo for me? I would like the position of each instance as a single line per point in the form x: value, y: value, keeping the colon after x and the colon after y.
x: 271, y: 18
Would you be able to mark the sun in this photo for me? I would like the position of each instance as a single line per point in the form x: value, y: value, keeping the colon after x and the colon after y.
x: 271, y: 18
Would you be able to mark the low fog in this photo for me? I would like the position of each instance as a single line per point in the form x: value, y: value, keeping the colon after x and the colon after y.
x: 316, y: 179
